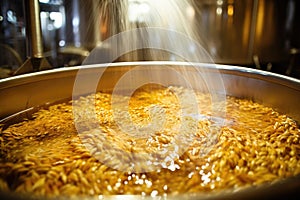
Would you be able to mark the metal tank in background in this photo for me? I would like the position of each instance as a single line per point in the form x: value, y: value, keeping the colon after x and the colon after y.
x: 51, y: 33
x: 70, y: 30
x: 253, y: 33
x: 12, y: 36
x: 261, y: 34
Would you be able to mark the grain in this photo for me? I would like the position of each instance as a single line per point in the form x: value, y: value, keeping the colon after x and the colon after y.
x: 45, y: 155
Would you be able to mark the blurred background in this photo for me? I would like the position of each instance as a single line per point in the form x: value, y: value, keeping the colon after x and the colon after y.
x: 45, y: 34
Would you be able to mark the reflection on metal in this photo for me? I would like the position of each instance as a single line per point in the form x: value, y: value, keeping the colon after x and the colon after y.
x: 277, y: 30
x: 225, y: 28
x: 235, y: 31
x: 36, y: 39
x: 219, y: 11
x: 260, y: 19
x: 13, y: 52
x: 33, y: 65
x: 81, y: 28
x: 36, y: 60
x: 294, y: 53
x: 12, y: 36
x: 251, y: 33
x: 256, y: 61
x: 74, y: 51
x: 230, y: 10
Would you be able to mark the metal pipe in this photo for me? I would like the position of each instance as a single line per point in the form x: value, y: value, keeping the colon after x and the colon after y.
x: 34, y: 32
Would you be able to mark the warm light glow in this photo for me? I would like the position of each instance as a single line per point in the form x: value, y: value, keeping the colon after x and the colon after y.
x: 219, y: 11
x: 190, y: 11
x: 219, y: 2
x: 230, y: 10
x: 260, y: 19
x: 246, y: 27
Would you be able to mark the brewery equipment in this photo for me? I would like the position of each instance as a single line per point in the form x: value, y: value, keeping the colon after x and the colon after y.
x: 260, y: 34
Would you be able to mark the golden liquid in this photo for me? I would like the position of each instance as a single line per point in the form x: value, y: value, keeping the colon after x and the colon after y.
x: 46, y: 156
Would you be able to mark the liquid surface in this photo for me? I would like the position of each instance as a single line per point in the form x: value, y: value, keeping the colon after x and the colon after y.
x: 46, y: 156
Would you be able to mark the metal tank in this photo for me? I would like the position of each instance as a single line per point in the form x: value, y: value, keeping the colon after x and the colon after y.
x: 248, y: 32
x: 29, y: 91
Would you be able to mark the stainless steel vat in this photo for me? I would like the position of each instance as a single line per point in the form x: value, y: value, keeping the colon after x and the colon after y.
x: 243, y: 32
x: 22, y: 92
x: 282, y: 93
